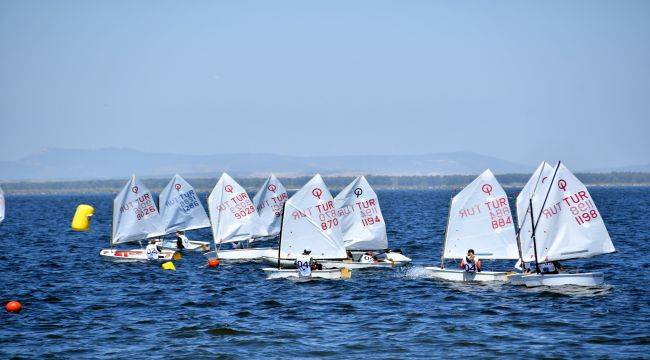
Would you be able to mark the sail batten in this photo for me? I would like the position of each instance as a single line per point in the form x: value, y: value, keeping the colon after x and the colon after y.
x: 362, y: 223
x: 480, y: 219
x: 135, y: 216
x: 232, y: 213
x: 181, y: 208
x: 310, y: 220
x: 269, y: 201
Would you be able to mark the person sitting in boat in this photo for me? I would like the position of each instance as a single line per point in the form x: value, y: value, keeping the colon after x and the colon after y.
x: 152, y: 250
x: 552, y: 267
x: 305, y: 263
x: 367, y: 258
x: 348, y: 253
x: 237, y: 244
x: 471, y: 263
x: 182, y: 242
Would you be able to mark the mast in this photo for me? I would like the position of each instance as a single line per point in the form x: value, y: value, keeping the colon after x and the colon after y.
x: 444, y: 240
x: 535, y: 223
x: 532, y: 224
x: 280, y: 239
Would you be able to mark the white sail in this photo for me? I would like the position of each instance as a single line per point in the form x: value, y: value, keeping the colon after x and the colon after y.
x: 480, y: 219
x: 310, y: 221
x: 269, y: 201
x: 362, y: 223
x: 180, y: 207
x: 135, y: 216
x: 232, y: 213
x: 2, y: 205
x: 535, y: 189
x: 570, y: 225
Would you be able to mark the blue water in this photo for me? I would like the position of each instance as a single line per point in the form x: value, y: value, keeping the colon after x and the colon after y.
x: 79, y: 305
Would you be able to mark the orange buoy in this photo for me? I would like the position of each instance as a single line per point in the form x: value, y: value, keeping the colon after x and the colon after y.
x: 13, y: 306
x: 213, y: 263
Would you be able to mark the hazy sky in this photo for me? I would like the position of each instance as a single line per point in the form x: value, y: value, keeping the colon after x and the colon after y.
x: 519, y: 80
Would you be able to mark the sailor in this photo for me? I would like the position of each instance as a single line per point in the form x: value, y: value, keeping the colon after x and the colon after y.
x: 471, y: 263
x: 152, y: 250
x: 367, y: 258
x: 552, y: 267
x: 182, y: 242
x: 304, y: 263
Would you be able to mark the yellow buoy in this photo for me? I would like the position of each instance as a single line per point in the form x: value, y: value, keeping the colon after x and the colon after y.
x: 346, y: 273
x: 169, y: 266
x: 81, y: 219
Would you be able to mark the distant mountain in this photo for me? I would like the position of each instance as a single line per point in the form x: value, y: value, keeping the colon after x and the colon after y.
x: 68, y: 164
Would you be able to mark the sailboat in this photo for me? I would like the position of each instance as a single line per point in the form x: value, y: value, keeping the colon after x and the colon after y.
x: 363, y: 228
x: 181, y: 210
x: 269, y: 201
x: 533, y: 189
x: 135, y: 218
x: 310, y: 220
x: 2, y: 205
x: 567, y: 226
x: 479, y: 219
x: 236, y: 221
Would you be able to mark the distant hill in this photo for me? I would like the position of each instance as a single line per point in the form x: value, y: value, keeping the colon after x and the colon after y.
x: 112, y: 163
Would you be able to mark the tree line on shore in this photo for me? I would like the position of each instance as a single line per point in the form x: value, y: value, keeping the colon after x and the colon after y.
x: 334, y: 182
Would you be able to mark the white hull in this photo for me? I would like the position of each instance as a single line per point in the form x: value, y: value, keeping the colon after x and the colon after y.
x: 251, y: 254
x: 330, y: 274
x: 193, y: 245
x: 461, y: 275
x: 273, y: 261
x: 135, y: 254
x: 516, y: 279
x: 331, y: 264
x: 579, y: 279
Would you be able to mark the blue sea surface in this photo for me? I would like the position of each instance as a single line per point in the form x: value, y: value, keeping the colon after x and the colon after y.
x: 78, y: 305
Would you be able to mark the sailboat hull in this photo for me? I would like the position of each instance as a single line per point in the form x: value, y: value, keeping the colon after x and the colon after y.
x: 252, y: 254
x: 329, y: 274
x: 579, y: 279
x: 385, y: 264
x: 461, y: 275
x: 135, y: 255
x: 193, y: 245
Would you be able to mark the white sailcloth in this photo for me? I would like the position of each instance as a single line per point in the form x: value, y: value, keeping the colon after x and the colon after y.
x: 535, y: 189
x: 232, y: 213
x: 570, y: 225
x: 362, y: 223
x: 269, y: 201
x: 180, y: 207
x: 135, y: 216
x: 480, y: 219
x: 2, y: 205
x: 310, y: 221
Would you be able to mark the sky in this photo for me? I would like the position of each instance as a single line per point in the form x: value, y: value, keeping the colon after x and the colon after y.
x: 519, y: 80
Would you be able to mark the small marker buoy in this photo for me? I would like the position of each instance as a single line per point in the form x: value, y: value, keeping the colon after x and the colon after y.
x: 213, y: 263
x: 169, y: 266
x: 13, y: 306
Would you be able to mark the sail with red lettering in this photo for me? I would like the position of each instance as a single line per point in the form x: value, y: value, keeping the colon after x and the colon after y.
x: 269, y: 201
x: 181, y: 208
x: 232, y: 213
x: 569, y: 226
x: 310, y: 221
x: 480, y: 219
x: 135, y: 216
x: 535, y: 189
x: 2, y: 205
x: 362, y: 223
